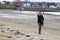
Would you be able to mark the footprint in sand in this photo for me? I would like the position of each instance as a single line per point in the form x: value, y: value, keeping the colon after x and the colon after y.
x: 27, y: 35
x: 2, y: 24
x: 12, y: 30
x: 31, y: 38
x: 19, y: 33
x: 8, y: 29
x: 5, y: 29
x: 9, y: 36
x: 2, y: 31
x: 41, y: 39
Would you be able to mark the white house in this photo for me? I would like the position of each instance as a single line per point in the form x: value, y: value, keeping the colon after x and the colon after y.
x: 52, y: 6
x: 26, y: 5
x: 44, y: 5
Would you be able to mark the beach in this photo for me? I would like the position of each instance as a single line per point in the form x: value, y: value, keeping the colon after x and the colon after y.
x: 26, y: 28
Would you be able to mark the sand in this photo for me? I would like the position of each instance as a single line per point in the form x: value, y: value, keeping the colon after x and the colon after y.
x: 27, y: 29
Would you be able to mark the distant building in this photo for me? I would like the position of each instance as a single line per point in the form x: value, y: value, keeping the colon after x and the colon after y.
x: 26, y: 3
x: 33, y: 4
x: 58, y: 5
x: 17, y: 3
x: 51, y: 5
x: 44, y: 5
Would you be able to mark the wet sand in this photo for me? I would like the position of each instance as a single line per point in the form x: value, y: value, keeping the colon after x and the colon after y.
x: 27, y: 29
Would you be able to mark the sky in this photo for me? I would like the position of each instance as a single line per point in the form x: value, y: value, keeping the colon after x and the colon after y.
x: 38, y: 0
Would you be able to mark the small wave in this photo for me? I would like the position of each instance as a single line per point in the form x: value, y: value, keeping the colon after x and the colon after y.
x: 16, y: 16
x: 52, y: 13
x: 25, y: 12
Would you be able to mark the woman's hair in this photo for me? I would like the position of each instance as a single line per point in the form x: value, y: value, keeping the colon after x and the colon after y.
x: 40, y: 13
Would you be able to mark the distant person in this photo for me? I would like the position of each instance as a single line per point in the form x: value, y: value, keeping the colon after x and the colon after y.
x: 40, y: 20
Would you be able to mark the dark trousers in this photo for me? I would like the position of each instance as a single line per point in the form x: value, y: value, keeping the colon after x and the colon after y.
x: 40, y: 26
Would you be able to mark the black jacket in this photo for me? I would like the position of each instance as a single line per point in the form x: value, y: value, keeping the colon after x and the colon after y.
x: 40, y: 19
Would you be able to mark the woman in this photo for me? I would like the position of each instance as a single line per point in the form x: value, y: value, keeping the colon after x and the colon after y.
x: 40, y: 21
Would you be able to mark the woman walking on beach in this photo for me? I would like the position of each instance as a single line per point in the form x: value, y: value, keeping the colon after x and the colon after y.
x: 40, y: 21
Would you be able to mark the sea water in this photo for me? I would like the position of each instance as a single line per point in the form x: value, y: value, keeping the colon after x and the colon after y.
x: 18, y: 16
